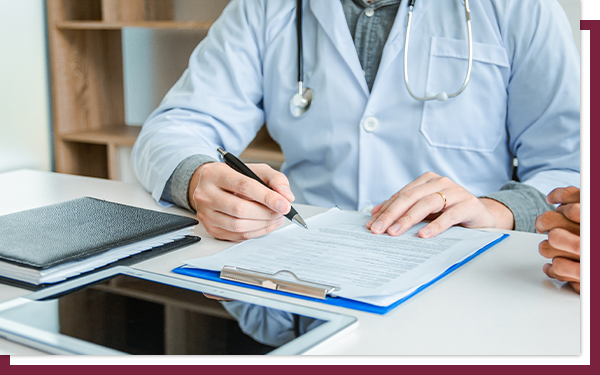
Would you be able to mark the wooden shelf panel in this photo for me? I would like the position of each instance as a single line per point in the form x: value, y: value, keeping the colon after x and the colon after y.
x: 102, y: 25
x: 261, y: 150
x: 258, y: 155
x: 119, y: 135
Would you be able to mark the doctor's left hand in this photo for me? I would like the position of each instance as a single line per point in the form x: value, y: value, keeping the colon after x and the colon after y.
x: 441, y: 200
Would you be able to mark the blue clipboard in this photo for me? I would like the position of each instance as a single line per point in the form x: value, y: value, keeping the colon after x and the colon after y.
x: 339, y: 301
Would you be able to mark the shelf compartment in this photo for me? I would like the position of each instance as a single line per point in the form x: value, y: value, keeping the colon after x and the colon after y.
x: 262, y: 150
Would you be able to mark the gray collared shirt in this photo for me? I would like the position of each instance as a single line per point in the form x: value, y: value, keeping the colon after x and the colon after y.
x: 370, y: 23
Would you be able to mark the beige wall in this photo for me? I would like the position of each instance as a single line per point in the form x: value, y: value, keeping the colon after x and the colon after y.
x: 573, y: 10
x: 24, y: 106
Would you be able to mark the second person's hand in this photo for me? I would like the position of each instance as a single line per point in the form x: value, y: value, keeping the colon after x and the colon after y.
x: 234, y: 207
x: 563, y: 243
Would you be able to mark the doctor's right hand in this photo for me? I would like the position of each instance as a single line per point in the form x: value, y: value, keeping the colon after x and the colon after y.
x: 234, y: 207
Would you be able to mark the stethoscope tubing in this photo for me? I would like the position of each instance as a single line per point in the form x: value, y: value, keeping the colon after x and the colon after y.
x: 301, y: 101
x: 300, y: 44
x: 469, y: 69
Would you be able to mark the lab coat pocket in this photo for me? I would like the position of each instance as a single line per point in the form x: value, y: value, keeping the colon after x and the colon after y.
x: 476, y: 119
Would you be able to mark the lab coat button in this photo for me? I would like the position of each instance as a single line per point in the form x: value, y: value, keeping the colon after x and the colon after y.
x: 369, y: 12
x: 370, y: 124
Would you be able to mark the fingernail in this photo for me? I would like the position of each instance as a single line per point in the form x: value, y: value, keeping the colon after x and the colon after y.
x: 425, y: 231
x: 378, y: 226
x: 395, y: 228
x: 282, y: 207
x: 370, y: 222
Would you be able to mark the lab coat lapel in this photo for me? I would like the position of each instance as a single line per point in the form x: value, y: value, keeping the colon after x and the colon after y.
x: 330, y: 16
x: 396, y: 39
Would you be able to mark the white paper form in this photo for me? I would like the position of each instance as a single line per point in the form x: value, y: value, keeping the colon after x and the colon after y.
x: 338, y: 250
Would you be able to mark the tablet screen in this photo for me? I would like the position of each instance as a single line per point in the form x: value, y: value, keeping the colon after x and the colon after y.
x: 138, y: 316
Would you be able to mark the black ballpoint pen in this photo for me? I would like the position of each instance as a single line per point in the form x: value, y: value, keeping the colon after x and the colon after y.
x: 236, y: 164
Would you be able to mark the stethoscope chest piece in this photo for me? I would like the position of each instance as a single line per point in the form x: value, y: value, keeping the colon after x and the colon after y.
x: 300, y: 104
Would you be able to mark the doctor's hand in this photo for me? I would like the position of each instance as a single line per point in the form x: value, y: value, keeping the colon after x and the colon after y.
x: 562, y: 245
x: 439, y: 199
x: 234, y: 207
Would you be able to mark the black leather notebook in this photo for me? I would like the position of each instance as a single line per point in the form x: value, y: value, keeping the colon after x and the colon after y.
x: 52, y: 243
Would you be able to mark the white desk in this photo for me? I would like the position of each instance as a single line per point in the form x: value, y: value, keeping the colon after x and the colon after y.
x: 500, y: 303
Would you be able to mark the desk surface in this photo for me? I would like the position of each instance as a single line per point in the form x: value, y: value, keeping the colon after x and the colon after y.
x: 500, y: 303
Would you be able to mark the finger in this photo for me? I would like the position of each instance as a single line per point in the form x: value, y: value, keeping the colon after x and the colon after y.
x: 566, y: 268
x: 550, y: 219
x: 547, y: 251
x: 427, y: 205
x: 562, y: 269
x: 575, y: 286
x: 249, y: 188
x: 407, y: 199
x: 237, y: 225
x: 223, y: 234
x: 570, y: 211
x: 447, y: 219
x: 382, y: 207
x: 376, y: 209
x: 405, y: 193
x: 566, y: 242
x: 275, y: 179
x: 211, y: 199
x: 564, y: 195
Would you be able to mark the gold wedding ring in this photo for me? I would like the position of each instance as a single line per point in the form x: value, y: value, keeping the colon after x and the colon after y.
x: 444, y: 198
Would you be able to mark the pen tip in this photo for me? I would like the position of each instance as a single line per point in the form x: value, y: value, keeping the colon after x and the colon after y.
x: 298, y: 221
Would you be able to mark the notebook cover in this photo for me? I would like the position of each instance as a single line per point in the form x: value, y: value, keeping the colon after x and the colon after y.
x: 339, y: 301
x: 73, y: 230
x: 129, y: 261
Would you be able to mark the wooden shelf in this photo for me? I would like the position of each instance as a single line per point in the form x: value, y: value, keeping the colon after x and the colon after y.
x: 262, y: 150
x: 118, y: 135
x: 103, y: 25
x: 87, y: 76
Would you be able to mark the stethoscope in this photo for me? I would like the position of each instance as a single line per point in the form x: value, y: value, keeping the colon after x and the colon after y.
x: 302, y: 100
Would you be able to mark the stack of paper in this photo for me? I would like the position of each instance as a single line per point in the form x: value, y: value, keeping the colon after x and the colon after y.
x: 338, y: 250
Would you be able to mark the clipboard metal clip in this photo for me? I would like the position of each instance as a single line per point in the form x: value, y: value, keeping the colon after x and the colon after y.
x: 270, y: 281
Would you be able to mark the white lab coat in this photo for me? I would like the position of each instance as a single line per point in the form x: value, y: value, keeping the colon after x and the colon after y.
x: 354, y: 149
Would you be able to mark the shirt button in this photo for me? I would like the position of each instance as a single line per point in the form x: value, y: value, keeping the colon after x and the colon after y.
x: 369, y: 12
x: 370, y: 124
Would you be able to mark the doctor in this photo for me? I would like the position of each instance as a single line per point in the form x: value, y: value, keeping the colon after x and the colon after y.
x: 365, y: 143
